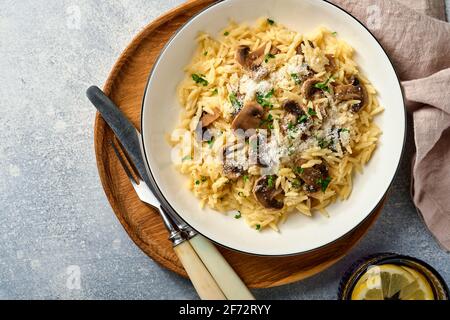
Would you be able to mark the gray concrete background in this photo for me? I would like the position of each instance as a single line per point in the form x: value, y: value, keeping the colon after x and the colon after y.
x: 59, y: 236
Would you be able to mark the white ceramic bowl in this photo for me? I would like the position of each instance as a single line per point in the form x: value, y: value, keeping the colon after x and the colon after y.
x: 298, y: 234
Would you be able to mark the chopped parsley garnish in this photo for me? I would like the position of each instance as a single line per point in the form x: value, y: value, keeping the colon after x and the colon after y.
x: 303, y: 118
x: 197, y: 182
x: 324, y: 85
x: 270, y: 21
x: 263, y: 99
x: 323, y: 143
x: 334, y: 34
x: 238, y: 215
x: 268, y: 120
x: 198, y: 79
x: 186, y: 158
x: 299, y: 170
x: 234, y: 101
x: 296, y: 78
x: 270, y: 93
x: 226, y: 33
x: 205, y: 53
x: 245, y: 177
x: 343, y: 130
x: 215, y: 91
x: 211, y: 142
x: 324, y: 183
x: 290, y: 126
x: 311, y: 112
x: 268, y: 57
x: 296, y: 183
x: 270, y: 181
x: 258, y: 226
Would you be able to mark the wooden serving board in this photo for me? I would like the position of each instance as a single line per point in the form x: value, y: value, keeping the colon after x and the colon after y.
x: 125, y: 86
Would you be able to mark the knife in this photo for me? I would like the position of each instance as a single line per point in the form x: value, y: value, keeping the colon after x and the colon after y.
x: 129, y: 137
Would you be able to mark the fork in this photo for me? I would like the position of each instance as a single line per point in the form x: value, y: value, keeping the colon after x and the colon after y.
x: 210, y: 273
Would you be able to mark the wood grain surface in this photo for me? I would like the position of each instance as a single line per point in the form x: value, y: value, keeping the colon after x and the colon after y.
x: 125, y: 86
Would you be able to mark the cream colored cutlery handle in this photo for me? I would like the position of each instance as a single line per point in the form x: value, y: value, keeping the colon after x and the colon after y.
x: 227, y: 279
x: 202, y: 280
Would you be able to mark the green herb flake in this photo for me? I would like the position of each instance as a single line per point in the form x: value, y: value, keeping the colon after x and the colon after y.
x: 299, y: 170
x: 334, y: 34
x: 290, y: 126
x: 234, y: 101
x: 226, y: 33
x: 323, y: 143
x: 343, y: 130
x: 296, y: 183
x: 324, y: 183
x: 211, y: 142
x: 324, y: 85
x: 186, y: 158
x: 311, y: 112
x: 198, y: 79
x: 268, y: 57
x: 270, y: 183
x: 258, y: 227
x: 296, y: 78
x: 303, y: 118
x: 270, y: 93
x: 215, y: 92
x: 246, y: 178
x: 238, y: 215
x: 270, y: 21
x: 263, y: 100
x: 197, y: 182
x: 205, y: 53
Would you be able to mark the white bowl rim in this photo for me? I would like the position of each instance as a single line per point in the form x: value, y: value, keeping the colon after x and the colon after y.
x: 165, y: 204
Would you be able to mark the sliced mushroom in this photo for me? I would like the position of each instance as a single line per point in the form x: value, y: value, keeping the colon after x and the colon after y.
x: 331, y: 66
x: 308, y: 88
x: 293, y: 107
x: 312, y: 176
x: 208, y: 118
x: 352, y: 91
x: 250, y: 60
x: 293, y: 113
x: 274, y: 50
x: 232, y: 167
x: 266, y: 193
x: 249, y: 117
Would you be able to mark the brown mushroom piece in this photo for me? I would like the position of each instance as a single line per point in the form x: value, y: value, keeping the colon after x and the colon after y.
x: 250, y: 60
x: 292, y: 114
x: 208, y: 118
x: 232, y: 169
x: 308, y: 88
x: 312, y: 176
x: 352, y: 91
x: 266, y: 193
x: 331, y: 66
x: 249, y: 117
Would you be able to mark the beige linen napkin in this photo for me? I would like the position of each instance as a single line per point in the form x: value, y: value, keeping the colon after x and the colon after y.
x: 419, y: 46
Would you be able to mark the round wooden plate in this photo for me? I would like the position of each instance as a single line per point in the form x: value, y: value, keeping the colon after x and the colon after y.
x: 125, y: 86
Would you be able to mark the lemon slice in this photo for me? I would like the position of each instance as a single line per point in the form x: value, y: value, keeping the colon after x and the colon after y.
x: 387, y: 281
x: 419, y: 289
x: 363, y: 292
